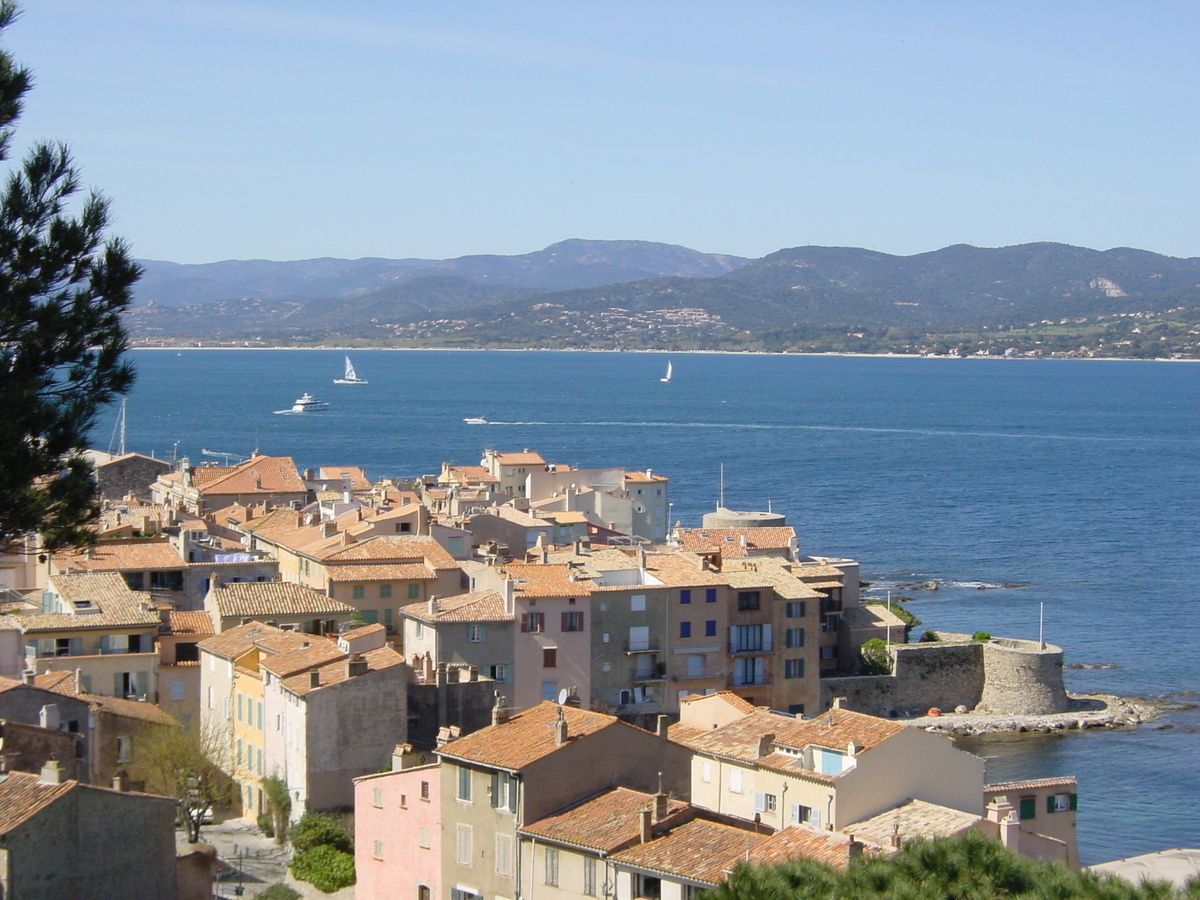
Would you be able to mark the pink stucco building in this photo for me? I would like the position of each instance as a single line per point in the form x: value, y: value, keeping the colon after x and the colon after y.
x: 397, y: 847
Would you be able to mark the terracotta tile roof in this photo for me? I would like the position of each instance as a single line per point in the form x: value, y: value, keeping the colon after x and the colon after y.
x: 389, y: 548
x: 129, y: 709
x: 480, y: 606
x: 286, y: 527
x: 546, y: 581
x: 342, y: 574
x: 356, y: 475
x: 258, y: 475
x: 291, y: 661
x: 191, y: 622
x: 697, y: 851
x: 644, y: 478
x: 527, y: 737
x: 1005, y: 787
x: 273, y: 598
x: 112, y: 605
x: 59, y: 682
x: 238, y: 641
x: 803, y: 842
x: 820, y: 572
x: 286, y: 641
x: 333, y: 673
x: 729, y: 540
x: 916, y: 818
x: 362, y: 632
x: 836, y: 729
x: 605, y: 822
x: 466, y: 475
x: 121, y: 556
x: 525, y: 458
x: 133, y: 514
x: 681, y: 570
x: 22, y: 797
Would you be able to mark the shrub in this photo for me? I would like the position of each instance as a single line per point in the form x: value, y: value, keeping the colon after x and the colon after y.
x: 874, y: 658
x: 265, y: 825
x: 930, y: 637
x: 981, y: 636
x: 279, y: 891
x: 909, y: 620
x: 326, y: 868
x: 314, y: 830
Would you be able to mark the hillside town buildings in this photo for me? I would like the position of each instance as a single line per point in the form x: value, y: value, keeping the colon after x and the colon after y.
x: 520, y: 675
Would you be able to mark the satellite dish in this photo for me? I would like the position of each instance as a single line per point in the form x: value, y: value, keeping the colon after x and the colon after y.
x: 562, y: 697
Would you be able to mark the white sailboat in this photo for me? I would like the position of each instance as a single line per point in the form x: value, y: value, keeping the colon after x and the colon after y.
x: 351, y: 377
x: 666, y: 379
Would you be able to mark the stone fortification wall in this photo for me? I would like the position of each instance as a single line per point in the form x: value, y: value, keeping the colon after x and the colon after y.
x: 1021, y: 678
x: 1000, y: 676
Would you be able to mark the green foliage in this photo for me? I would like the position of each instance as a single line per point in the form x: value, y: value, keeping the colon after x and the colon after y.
x: 930, y: 637
x: 315, y: 830
x: 874, y: 658
x: 63, y: 289
x: 187, y: 766
x: 266, y: 825
x: 900, y: 612
x: 279, y: 805
x: 279, y: 891
x: 326, y: 868
x: 969, y: 867
x: 981, y: 636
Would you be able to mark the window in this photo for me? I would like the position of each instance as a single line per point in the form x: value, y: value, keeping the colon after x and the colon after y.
x: 420, y: 630
x: 424, y: 838
x: 377, y: 798
x: 572, y: 621
x: 414, y: 591
x: 706, y: 772
x: 1056, y: 803
x: 377, y: 852
x: 1028, y: 809
x: 552, y: 866
x: 748, y: 638
x: 260, y: 715
x: 549, y: 657
x: 369, y: 616
x: 404, y: 527
x: 549, y: 690
x: 238, y: 756
x: 830, y: 622
x: 748, y: 670
x: 176, y: 690
x: 649, y: 887
x: 764, y: 803
x: 464, y: 845
x: 124, y: 749
x: 358, y: 591
x: 710, y: 595
x: 685, y: 629
x: 829, y: 652
x: 186, y: 651
x: 795, y: 637
x: 476, y: 634
x: 795, y: 609
x: 793, y: 668
x: 498, y: 673
x: 464, y: 784
x: 385, y: 591
x: 589, y: 876
x: 423, y: 892
x: 685, y: 596
x: 735, y: 780
x: 796, y: 709
x: 637, y: 603
x: 504, y: 791
x: 806, y: 815
x: 425, y: 791
x: 211, y: 700
x: 504, y: 854
x: 747, y: 600
x: 533, y: 623
x: 710, y: 628
x: 404, y: 801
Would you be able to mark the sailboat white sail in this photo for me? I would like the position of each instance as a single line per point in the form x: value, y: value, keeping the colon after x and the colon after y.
x: 351, y: 377
x: 667, y: 378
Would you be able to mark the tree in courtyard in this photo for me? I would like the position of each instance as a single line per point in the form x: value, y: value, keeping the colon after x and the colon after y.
x: 63, y: 287
x: 189, y: 766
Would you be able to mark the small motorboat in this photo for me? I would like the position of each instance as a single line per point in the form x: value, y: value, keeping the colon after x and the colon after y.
x: 475, y: 420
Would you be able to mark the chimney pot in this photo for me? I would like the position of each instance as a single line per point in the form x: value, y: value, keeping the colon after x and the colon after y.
x: 120, y: 781
x: 661, y: 726
x: 52, y: 772
x: 560, y: 729
x: 644, y: 821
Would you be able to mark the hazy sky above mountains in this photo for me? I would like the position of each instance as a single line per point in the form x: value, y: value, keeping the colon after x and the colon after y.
x: 292, y: 129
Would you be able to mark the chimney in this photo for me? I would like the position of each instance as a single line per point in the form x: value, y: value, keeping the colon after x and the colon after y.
x: 661, y: 725
x: 120, y: 781
x: 1010, y: 831
x: 52, y: 772
x: 28, y: 675
x: 644, y: 829
x: 328, y: 529
x: 433, y: 605
x: 499, y: 712
x: 308, y: 475
x: 314, y: 678
x: 839, y: 703
x: 660, y: 802
x: 854, y: 849
x: 508, y: 590
x: 560, y: 729
x: 764, y: 744
x: 356, y: 665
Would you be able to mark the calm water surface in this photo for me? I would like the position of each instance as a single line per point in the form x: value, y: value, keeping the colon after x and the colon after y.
x: 1080, y: 480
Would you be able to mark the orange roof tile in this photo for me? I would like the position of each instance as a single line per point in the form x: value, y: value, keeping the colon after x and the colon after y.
x: 803, y: 842
x: 729, y: 540
x: 237, y: 641
x: 23, y: 796
x: 524, y: 458
x: 274, y: 598
x: 121, y: 556
x: 342, y: 574
x: 527, y: 737
x: 302, y: 659
x: 605, y: 822
x: 480, y: 606
x: 191, y: 622
x: 698, y: 851
x: 333, y: 673
x: 534, y: 580
x: 258, y: 475
x: 102, y: 600
x: 389, y: 548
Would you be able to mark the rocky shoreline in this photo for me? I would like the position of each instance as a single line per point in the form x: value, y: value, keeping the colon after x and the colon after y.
x: 1086, y: 711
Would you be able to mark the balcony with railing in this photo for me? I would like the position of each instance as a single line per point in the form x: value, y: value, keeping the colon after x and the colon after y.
x: 698, y: 674
x: 647, y: 645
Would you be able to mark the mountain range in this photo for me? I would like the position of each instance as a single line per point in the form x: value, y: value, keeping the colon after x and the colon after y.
x: 639, y: 293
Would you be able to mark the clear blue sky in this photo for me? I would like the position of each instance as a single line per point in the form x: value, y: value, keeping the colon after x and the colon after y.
x: 291, y: 129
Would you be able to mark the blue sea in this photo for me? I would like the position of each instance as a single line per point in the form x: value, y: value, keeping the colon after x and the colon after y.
x: 1079, y: 480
